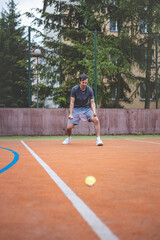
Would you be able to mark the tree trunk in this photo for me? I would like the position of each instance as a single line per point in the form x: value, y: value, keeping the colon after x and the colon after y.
x: 149, y: 53
x: 148, y: 72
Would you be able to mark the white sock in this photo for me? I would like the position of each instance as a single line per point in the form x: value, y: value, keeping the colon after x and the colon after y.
x: 98, y: 138
x: 69, y: 137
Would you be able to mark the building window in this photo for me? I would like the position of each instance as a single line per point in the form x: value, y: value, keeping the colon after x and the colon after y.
x: 113, y: 2
x: 113, y: 92
x: 113, y: 26
x: 82, y: 23
x: 143, y: 58
x: 143, y: 91
x: 143, y: 27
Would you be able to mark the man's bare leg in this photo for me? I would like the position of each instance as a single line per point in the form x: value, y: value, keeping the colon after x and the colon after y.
x: 69, y: 129
x: 69, y: 132
x: 96, y: 122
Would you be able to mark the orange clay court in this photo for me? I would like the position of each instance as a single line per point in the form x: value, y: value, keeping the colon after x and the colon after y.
x: 43, y: 195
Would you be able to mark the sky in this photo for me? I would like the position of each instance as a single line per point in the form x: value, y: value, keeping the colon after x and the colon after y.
x: 22, y: 7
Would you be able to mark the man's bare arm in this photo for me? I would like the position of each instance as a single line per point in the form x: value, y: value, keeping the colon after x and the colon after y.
x: 71, y: 107
x: 93, y: 106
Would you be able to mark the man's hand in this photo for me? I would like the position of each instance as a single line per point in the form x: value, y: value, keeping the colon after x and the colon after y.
x: 95, y: 114
x: 70, y: 116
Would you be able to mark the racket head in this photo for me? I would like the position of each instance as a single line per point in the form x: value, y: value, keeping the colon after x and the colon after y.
x: 83, y: 117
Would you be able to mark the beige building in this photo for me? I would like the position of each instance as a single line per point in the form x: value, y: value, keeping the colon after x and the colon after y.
x: 138, y: 91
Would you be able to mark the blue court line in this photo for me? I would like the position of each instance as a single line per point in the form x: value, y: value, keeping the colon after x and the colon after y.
x: 16, y: 157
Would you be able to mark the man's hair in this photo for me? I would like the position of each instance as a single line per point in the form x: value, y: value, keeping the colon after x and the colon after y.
x: 83, y: 77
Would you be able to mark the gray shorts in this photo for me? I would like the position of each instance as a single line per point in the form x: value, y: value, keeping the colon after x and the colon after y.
x: 76, y: 111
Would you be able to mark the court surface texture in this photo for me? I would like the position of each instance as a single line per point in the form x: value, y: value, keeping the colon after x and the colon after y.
x: 44, y: 195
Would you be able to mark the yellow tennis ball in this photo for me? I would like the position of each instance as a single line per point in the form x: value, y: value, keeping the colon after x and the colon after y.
x: 90, y: 181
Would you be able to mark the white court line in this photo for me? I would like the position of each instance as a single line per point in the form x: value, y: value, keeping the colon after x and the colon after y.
x: 102, y: 231
x: 141, y: 141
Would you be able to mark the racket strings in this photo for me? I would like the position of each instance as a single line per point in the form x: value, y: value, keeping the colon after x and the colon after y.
x: 83, y: 117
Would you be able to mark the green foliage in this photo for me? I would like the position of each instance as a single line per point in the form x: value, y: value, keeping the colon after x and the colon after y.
x: 72, y: 51
x: 13, y: 59
x: 62, y: 94
x: 69, y: 60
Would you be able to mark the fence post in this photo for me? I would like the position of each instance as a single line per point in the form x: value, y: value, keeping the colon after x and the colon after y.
x: 156, y: 36
x: 29, y: 66
x: 95, y: 49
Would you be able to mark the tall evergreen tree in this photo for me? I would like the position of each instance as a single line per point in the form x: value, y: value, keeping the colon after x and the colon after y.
x: 117, y: 54
x: 144, y: 22
x: 13, y: 59
x: 76, y: 53
x: 148, y: 12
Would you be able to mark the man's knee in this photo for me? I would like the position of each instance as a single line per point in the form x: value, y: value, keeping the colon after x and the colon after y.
x: 95, y: 120
x: 69, y: 126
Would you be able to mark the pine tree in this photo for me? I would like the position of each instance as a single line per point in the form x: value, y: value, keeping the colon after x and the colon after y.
x: 75, y: 54
x: 143, y: 19
x: 149, y: 14
x: 13, y: 59
x: 117, y: 54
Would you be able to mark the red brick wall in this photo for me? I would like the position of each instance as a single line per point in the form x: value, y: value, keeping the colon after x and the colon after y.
x: 25, y: 121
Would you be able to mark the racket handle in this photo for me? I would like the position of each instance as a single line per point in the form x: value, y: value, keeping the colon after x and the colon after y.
x: 70, y: 117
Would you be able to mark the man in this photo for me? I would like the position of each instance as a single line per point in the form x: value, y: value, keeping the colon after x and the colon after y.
x: 79, y: 103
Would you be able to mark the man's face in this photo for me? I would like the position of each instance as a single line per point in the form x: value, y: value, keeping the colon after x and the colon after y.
x: 83, y: 84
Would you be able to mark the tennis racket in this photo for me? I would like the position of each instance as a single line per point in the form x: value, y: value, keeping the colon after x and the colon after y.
x: 82, y: 117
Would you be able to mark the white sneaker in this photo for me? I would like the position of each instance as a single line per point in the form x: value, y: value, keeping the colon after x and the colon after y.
x: 67, y: 140
x: 99, y: 143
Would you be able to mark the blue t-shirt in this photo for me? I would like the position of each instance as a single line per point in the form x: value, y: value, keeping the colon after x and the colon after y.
x: 82, y: 97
